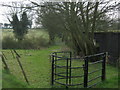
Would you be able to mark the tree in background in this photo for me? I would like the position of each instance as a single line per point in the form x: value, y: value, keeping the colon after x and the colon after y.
x: 20, y: 27
x: 49, y: 20
x: 18, y: 17
x: 79, y: 20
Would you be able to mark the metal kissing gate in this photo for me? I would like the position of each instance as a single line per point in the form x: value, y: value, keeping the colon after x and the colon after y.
x: 68, y: 71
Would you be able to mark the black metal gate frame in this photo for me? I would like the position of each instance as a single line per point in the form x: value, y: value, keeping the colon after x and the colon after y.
x: 85, y: 67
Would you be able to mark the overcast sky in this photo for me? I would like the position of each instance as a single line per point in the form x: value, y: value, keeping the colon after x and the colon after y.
x: 3, y: 18
x: 3, y: 10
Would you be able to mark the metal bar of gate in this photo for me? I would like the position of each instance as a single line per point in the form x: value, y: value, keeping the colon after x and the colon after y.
x: 86, y: 72
x: 99, y: 54
x: 52, y: 82
x: 70, y: 68
x: 103, y: 67
x: 67, y: 73
x: 55, y: 62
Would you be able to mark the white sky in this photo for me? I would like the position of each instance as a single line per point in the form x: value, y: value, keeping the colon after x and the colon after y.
x: 3, y: 18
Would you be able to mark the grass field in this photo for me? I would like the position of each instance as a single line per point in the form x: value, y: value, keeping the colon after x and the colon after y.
x: 37, y: 66
x: 10, y: 81
x: 31, y: 33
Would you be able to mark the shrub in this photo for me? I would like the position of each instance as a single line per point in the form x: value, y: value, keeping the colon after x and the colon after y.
x: 9, y: 42
x: 27, y: 43
x: 41, y: 42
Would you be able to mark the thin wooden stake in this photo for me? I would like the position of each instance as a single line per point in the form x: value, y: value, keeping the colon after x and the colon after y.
x: 16, y: 53
x: 22, y: 69
x: 6, y: 66
x: 4, y: 56
x: 12, y: 54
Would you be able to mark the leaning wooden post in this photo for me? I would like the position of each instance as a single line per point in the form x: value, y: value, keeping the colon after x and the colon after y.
x: 3, y: 60
x: 86, y: 72
x: 104, y: 67
x: 16, y: 53
x: 4, y: 56
x: 22, y: 69
x: 12, y: 54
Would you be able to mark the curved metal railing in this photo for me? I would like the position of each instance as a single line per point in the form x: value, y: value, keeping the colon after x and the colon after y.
x: 68, y: 67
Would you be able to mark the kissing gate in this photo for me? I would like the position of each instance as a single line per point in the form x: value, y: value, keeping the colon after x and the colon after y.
x: 77, y: 72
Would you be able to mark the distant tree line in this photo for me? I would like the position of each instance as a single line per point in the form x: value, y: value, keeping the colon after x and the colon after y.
x: 6, y: 25
x: 9, y: 25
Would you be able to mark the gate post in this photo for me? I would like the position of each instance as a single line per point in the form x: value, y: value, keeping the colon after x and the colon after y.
x: 52, y: 81
x: 70, y: 68
x: 104, y: 67
x: 67, y: 77
x: 55, y: 62
x: 86, y: 72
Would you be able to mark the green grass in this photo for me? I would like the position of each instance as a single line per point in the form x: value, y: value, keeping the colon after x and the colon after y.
x: 111, y: 78
x: 10, y: 81
x: 37, y: 65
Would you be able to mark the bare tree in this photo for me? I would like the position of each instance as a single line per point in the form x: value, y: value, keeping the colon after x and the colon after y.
x: 79, y: 20
x: 18, y: 18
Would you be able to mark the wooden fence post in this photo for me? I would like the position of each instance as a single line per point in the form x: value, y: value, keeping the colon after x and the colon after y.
x: 86, y: 72
x: 104, y: 67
